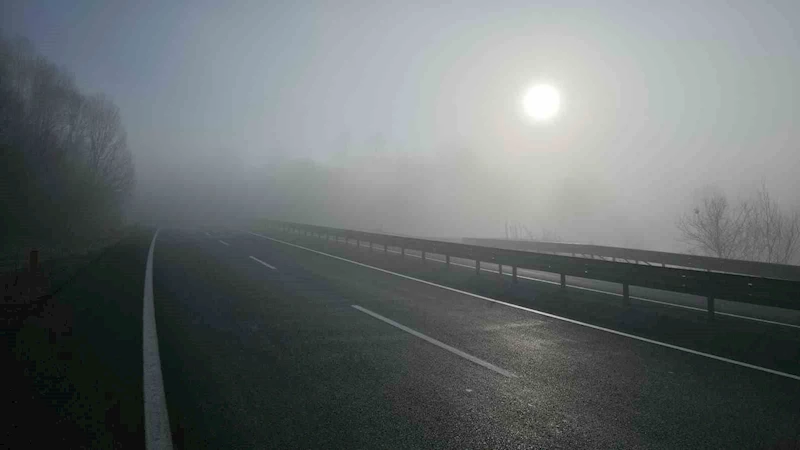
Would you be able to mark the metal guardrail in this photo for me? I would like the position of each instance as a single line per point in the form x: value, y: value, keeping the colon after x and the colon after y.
x: 759, y: 269
x: 712, y: 285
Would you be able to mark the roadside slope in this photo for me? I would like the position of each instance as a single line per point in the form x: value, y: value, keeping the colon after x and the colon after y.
x: 83, y: 387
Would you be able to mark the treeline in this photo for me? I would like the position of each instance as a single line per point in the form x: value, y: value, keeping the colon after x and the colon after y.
x: 755, y: 229
x: 437, y: 195
x: 65, y: 167
x: 444, y: 195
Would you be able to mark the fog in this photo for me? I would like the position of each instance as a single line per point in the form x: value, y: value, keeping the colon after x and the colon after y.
x: 407, y: 118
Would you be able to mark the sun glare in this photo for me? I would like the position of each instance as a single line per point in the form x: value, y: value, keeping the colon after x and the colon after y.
x: 541, y: 102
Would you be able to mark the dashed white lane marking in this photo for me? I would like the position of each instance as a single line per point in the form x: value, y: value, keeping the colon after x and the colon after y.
x: 438, y: 343
x: 156, y: 419
x: 224, y: 243
x: 542, y: 313
x: 263, y: 263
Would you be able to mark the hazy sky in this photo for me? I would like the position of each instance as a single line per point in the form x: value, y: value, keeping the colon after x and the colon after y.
x: 657, y: 99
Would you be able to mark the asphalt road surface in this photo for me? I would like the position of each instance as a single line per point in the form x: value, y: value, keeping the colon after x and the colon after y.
x: 264, y: 344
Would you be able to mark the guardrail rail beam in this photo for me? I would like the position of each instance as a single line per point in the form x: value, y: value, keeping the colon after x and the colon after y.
x: 762, y: 284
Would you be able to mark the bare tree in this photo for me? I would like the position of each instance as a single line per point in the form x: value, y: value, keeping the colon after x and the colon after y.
x: 107, y: 155
x: 716, y: 228
x: 549, y: 235
x: 546, y: 234
x: 756, y: 230
x: 775, y: 234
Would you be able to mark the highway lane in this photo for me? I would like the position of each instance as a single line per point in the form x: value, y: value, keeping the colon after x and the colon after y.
x: 280, y: 358
x: 260, y: 358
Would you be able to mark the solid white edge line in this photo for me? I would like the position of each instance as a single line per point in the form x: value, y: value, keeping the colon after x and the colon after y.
x: 156, y: 418
x: 224, y: 243
x: 263, y: 263
x: 438, y: 343
x: 545, y: 314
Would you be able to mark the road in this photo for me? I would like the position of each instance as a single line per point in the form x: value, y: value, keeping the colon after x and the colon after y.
x: 271, y: 344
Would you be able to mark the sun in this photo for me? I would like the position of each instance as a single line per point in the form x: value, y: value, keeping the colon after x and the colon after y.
x: 541, y: 102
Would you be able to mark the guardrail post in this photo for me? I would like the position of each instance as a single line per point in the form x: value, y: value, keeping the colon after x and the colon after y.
x: 385, y: 249
x: 514, y: 274
x: 358, y: 243
x: 423, y: 256
x: 402, y: 252
x: 500, y: 269
x: 626, y: 296
x: 563, y: 280
x: 710, y: 302
x: 477, y: 267
x: 447, y: 261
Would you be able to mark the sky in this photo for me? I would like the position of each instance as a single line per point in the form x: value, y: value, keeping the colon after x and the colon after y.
x: 658, y: 98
